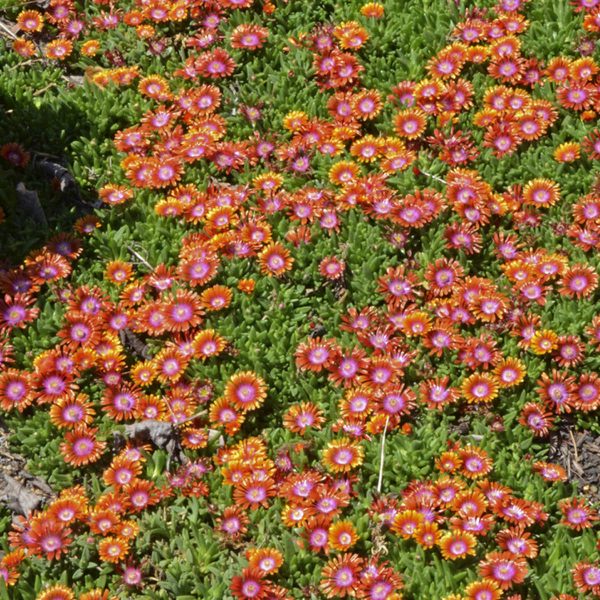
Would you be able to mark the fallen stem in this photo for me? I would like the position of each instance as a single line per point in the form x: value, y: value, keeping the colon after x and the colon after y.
x: 382, y: 456
x: 140, y: 258
x: 7, y: 31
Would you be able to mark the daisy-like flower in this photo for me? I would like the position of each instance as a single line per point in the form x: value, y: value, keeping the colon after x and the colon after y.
x: 342, y: 535
x: 504, y: 568
x: 47, y: 537
x: 30, y: 21
x: 81, y: 446
x: 549, y: 471
x: 140, y: 494
x: 59, y: 49
x: 249, y: 585
x: 568, y: 152
x: 316, y: 533
x: 253, y: 493
x: 410, y: 123
x: 509, y: 372
x: 249, y: 37
x: 541, y: 193
x: 342, y: 455
x: 216, y: 297
x: 182, y: 311
x: 275, y: 259
x: 208, y: 343
x: 486, y: 589
x: 480, y: 388
x: 536, y: 419
x: 113, y: 549
x: 15, y: 389
x: 113, y: 194
x: 427, y: 535
x: 118, y: 271
x: 223, y: 412
x: 332, y: 268
x: 406, y: 523
x: 586, y: 576
x: 457, y: 544
x: 475, y: 462
x: 215, y: 64
x: 266, y: 560
x: 246, y: 390
x: 233, y: 522
x: 543, y: 341
x: 579, y: 280
x: 518, y: 542
x: 57, y: 592
x: 341, y: 576
x: 373, y: 10
x: 71, y: 412
x: 556, y: 390
x: 300, y: 417
x: 587, y: 393
x: 577, y: 515
x: 122, y: 471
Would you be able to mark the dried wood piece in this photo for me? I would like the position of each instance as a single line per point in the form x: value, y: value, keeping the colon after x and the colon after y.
x: 30, y: 205
x: 17, y: 497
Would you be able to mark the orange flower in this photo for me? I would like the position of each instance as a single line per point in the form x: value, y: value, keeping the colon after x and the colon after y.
x: 224, y: 413
x: 208, y: 343
x: 249, y: 37
x: 406, y: 523
x: 275, y: 259
x: 504, y: 568
x: 457, y: 544
x: 246, y: 285
x: 300, y: 417
x: 113, y: 194
x: 24, y: 48
x: 245, y: 390
x: 90, y: 48
x: 541, y: 193
x: 30, y: 21
x: 341, y: 576
x: 410, y: 123
x: 373, y: 10
x: 59, y: 49
x: 510, y: 372
x: 342, y: 455
x: 342, y: 535
x: 486, y: 588
x: 543, y: 341
x: 427, y: 535
x: 113, y: 549
x: 56, y: 592
x: 266, y: 560
x: 81, y: 447
x: 567, y: 152
x: 480, y: 388
x: 118, y: 271
x: 216, y: 297
x: 47, y: 537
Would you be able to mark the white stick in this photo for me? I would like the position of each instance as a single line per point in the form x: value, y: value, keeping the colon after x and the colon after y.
x: 140, y: 258
x: 380, y: 481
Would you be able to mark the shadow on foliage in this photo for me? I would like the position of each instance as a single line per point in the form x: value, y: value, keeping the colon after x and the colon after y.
x: 41, y: 198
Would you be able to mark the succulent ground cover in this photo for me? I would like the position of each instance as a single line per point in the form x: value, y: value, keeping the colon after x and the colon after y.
x: 299, y: 299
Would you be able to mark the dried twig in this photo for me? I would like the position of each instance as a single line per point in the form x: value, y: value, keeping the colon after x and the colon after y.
x: 432, y: 176
x: 140, y: 258
x: 6, y: 31
x: 574, y: 446
x: 382, y: 456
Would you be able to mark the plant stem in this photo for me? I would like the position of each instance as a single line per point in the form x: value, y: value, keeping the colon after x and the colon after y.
x: 382, y: 456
